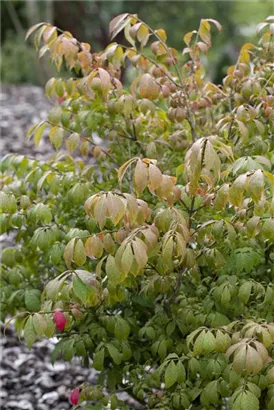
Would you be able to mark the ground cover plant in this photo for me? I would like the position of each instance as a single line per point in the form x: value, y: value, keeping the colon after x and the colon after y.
x: 149, y: 252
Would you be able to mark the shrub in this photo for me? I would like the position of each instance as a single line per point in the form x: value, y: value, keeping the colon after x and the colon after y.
x: 152, y: 251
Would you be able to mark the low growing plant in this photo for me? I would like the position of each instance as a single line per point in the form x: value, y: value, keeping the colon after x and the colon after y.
x: 150, y: 254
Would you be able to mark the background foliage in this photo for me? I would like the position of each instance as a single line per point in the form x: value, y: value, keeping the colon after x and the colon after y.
x: 88, y: 20
x: 146, y: 244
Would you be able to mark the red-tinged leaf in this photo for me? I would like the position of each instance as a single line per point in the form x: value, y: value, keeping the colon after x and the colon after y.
x: 74, y: 397
x: 140, y: 176
x: 59, y: 320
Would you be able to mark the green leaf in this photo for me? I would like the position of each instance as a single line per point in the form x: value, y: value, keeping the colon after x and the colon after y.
x: 114, y: 353
x: 79, y: 253
x: 68, y: 349
x: 40, y: 324
x: 29, y: 332
x: 81, y: 289
x: 38, y: 134
x: 126, y: 259
x: 121, y: 329
x: 56, y: 136
x: 98, y: 360
x: 50, y: 330
x: 68, y: 252
x: 171, y: 374
x: 32, y: 300
x: 245, y: 291
x: 181, y: 372
x: 114, y: 275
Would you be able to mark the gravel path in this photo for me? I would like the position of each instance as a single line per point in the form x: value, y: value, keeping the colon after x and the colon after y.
x: 21, y: 107
x: 31, y: 382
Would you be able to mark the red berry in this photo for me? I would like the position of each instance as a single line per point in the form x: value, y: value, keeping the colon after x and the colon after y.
x: 60, y: 320
x: 74, y: 397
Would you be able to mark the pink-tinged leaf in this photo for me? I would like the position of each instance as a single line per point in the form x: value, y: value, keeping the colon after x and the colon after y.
x: 216, y: 23
x: 140, y: 176
x: 49, y: 34
x: 202, y: 46
x: 94, y: 247
x: 261, y: 26
x: 60, y: 320
x: 155, y: 177
x: 105, y: 79
x: 256, y: 185
x: 74, y: 397
x: 116, y: 208
x: 140, y: 253
x: 117, y: 24
x: 33, y: 28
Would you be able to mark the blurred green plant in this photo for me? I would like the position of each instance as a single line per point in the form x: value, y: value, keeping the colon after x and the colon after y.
x: 17, y: 62
x: 89, y: 20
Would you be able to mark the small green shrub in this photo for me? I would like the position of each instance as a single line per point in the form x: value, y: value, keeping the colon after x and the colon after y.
x: 152, y: 253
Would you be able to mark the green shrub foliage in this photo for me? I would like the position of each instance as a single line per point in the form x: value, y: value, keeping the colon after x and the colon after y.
x: 154, y: 243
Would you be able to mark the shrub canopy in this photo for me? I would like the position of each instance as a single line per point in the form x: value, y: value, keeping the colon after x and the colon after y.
x: 146, y: 244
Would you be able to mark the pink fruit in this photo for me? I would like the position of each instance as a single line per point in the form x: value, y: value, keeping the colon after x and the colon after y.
x: 74, y: 397
x: 60, y: 320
